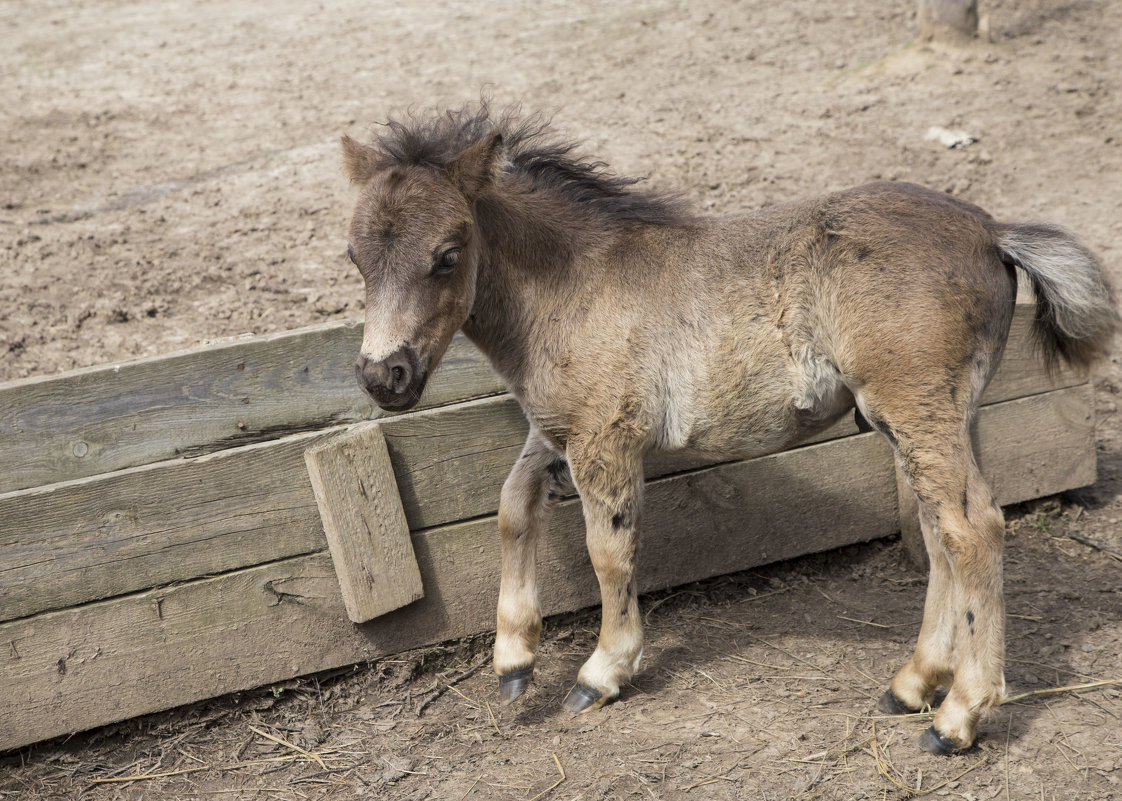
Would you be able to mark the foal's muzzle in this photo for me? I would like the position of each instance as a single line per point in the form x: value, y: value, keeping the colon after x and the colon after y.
x: 396, y: 382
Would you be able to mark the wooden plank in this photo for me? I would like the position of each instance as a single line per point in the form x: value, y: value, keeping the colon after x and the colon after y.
x: 1018, y: 445
x: 365, y: 525
x: 107, y: 418
x: 94, y: 538
x: 77, y: 668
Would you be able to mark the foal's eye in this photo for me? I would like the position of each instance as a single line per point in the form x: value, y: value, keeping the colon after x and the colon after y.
x: 446, y: 261
x: 351, y: 255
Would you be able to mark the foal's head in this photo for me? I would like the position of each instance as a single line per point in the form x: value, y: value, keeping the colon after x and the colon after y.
x: 412, y: 237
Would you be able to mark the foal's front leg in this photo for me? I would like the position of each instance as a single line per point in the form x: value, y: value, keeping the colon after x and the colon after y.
x: 538, y: 480
x: 610, y: 486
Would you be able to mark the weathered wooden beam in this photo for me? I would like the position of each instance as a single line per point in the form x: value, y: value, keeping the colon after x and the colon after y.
x: 76, y: 668
x: 94, y: 538
x: 234, y: 393
x: 367, y: 533
x: 108, y: 418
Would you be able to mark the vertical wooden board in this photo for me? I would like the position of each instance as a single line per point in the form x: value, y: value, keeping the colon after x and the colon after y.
x: 366, y: 529
x: 107, y: 418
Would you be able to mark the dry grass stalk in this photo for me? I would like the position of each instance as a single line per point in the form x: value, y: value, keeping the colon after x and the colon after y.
x: 1114, y: 553
x: 556, y: 784
x: 468, y: 790
x: 1066, y: 741
x: 136, y: 777
x: 281, y: 741
x: 879, y: 625
x: 1065, y: 689
x: 494, y: 720
x: 439, y: 689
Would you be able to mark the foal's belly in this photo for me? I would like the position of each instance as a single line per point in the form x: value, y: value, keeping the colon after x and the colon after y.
x: 767, y: 408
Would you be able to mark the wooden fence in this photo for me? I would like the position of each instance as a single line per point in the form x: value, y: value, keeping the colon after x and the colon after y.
x: 161, y: 540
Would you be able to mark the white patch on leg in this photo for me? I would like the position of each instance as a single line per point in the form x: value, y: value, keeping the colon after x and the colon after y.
x: 605, y: 670
x: 635, y: 663
x: 519, y: 622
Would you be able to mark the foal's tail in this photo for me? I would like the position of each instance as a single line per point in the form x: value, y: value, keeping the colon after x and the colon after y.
x: 1075, y: 315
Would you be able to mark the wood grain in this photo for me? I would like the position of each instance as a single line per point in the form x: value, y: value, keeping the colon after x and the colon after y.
x: 111, y: 417
x: 94, y: 538
x: 365, y: 526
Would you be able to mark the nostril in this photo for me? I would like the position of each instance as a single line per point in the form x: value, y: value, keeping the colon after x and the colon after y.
x: 395, y: 382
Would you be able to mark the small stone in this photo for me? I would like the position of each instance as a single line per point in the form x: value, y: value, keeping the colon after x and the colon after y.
x: 955, y: 140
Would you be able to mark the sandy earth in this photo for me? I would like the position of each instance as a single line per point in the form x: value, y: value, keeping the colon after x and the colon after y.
x: 171, y: 175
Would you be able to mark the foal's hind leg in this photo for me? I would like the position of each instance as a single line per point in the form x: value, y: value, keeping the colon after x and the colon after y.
x: 538, y: 479
x: 930, y: 666
x: 962, y: 638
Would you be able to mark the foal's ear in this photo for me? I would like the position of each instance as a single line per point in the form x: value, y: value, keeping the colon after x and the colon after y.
x: 474, y: 169
x: 360, y: 161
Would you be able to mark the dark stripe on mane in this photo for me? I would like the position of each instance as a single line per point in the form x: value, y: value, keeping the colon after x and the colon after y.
x: 551, y: 165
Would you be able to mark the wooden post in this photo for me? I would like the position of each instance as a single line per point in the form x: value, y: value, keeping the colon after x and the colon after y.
x: 943, y: 19
x: 365, y: 524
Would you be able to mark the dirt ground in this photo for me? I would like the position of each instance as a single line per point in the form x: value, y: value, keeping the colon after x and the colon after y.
x: 171, y: 175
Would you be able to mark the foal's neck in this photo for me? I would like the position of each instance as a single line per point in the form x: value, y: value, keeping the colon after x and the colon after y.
x: 531, y: 246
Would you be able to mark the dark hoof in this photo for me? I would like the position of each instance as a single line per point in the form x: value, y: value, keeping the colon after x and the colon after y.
x: 890, y: 704
x: 934, y: 743
x: 513, y: 684
x: 581, y: 698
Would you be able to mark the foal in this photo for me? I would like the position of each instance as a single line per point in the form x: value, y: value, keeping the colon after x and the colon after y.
x: 623, y: 323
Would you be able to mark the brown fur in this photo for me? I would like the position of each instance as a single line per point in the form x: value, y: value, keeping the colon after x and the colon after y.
x: 624, y: 324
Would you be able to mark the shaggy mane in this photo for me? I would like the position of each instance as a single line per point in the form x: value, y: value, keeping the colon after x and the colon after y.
x: 434, y: 140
